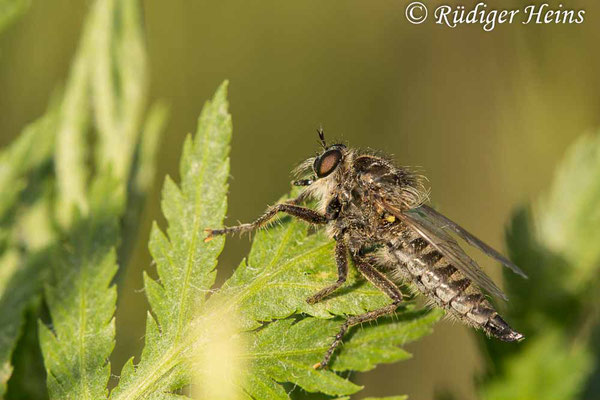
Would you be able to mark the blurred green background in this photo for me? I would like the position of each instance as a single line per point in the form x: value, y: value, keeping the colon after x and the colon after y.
x: 486, y: 115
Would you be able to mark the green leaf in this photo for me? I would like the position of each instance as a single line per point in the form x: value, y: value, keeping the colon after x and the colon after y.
x: 569, y: 216
x: 21, y: 273
x: 79, y: 294
x: 556, y: 308
x: 10, y: 316
x: 547, y: 368
x: 71, y: 152
x: 82, y: 301
x: 107, y: 82
x: 118, y: 78
x: 20, y: 289
x: 285, y: 350
x: 28, y: 380
x: 185, y: 263
x: 30, y: 151
x: 285, y: 265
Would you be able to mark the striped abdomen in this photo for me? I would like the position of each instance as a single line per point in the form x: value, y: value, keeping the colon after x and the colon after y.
x: 434, y: 276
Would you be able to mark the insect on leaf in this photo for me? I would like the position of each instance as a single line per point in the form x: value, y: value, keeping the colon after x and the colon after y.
x: 285, y: 265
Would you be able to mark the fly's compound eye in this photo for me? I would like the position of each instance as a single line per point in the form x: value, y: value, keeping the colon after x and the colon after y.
x: 326, y: 163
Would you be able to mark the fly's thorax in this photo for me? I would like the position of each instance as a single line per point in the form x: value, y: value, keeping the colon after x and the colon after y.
x: 399, y: 186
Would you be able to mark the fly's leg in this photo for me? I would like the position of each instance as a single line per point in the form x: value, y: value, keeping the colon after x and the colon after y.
x: 341, y: 258
x: 303, y: 213
x: 382, y: 283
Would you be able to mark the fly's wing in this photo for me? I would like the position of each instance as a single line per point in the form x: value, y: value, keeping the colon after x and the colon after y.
x: 447, y: 246
x: 396, y: 190
x: 444, y: 222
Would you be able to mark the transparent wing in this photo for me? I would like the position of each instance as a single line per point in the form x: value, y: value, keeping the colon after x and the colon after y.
x: 444, y: 222
x: 446, y: 245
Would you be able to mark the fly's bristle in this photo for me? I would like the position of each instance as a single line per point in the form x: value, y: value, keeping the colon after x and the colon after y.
x: 303, y: 168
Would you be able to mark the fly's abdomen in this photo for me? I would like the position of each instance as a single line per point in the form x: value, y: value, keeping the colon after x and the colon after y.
x: 435, y: 277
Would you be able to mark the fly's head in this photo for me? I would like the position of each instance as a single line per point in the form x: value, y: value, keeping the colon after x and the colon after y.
x: 324, y: 169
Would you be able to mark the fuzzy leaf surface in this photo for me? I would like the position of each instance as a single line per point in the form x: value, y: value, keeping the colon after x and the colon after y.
x: 285, y: 350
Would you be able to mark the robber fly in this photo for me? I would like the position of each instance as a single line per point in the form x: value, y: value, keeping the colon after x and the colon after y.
x: 375, y: 212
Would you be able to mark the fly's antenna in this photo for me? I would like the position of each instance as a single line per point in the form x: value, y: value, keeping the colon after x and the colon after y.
x: 322, y: 137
